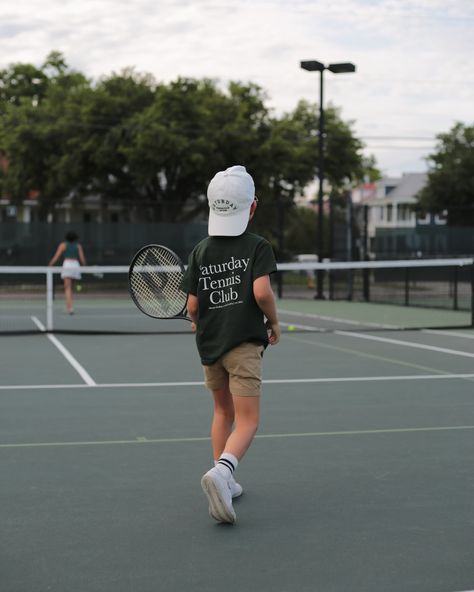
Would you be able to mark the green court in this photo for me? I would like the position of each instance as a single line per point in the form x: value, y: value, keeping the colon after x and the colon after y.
x: 360, y: 477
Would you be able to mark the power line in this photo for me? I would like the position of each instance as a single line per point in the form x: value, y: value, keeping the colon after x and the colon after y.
x: 404, y: 138
x: 391, y: 147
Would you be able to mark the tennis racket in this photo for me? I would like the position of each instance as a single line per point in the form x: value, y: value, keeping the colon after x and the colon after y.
x: 154, y: 281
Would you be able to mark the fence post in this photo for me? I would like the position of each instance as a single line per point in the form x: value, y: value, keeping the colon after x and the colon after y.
x: 455, y: 288
x: 407, y: 286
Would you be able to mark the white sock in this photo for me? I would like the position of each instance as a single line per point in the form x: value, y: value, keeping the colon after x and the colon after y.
x: 226, y: 465
x: 231, y: 477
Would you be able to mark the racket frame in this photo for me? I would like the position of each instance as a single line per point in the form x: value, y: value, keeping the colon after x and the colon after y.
x: 180, y: 315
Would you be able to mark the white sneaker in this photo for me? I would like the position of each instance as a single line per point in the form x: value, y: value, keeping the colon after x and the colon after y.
x: 235, y: 488
x: 219, y: 495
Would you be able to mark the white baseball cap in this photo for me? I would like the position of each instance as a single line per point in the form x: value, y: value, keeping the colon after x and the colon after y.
x: 230, y: 195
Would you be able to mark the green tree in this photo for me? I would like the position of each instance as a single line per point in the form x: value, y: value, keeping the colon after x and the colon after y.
x: 289, y: 158
x: 191, y: 130
x: 98, y: 122
x: 65, y: 145
x: 450, y: 183
x: 154, y: 147
x: 36, y: 127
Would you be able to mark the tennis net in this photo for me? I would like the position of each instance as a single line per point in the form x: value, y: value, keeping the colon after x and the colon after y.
x: 368, y: 296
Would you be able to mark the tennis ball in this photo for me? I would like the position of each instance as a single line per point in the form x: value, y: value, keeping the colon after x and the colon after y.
x: 78, y: 288
x: 291, y: 327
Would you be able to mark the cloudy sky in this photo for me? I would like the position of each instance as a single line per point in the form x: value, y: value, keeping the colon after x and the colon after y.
x: 414, y: 58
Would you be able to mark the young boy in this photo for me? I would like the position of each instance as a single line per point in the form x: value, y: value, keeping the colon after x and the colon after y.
x: 228, y: 283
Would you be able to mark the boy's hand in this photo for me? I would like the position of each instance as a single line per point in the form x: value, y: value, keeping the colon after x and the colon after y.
x: 193, y: 327
x: 274, y: 332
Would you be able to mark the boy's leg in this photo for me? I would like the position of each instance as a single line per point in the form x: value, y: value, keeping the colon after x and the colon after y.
x: 221, y: 429
x: 244, y: 365
x: 247, y: 415
x: 243, y: 378
x: 218, y: 483
x: 222, y: 420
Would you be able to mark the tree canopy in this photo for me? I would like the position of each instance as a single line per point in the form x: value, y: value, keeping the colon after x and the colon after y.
x: 154, y: 147
x: 450, y: 183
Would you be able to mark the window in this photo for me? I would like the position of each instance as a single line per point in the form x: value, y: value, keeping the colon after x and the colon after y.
x: 403, y: 213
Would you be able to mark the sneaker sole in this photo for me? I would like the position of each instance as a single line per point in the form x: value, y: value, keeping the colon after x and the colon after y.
x: 217, y: 507
x: 234, y: 495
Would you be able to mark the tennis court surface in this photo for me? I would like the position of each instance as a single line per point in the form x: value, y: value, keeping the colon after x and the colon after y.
x: 360, y: 478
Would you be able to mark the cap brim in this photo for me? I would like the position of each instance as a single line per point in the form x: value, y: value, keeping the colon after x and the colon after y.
x: 234, y: 225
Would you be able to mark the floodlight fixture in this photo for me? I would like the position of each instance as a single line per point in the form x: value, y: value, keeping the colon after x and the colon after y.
x: 312, y: 66
x: 339, y: 68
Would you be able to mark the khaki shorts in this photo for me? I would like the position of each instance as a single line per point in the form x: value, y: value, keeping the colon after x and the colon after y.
x: 240, y: 368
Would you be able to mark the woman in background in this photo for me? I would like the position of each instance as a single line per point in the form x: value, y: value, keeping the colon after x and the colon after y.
x: 73, y: 254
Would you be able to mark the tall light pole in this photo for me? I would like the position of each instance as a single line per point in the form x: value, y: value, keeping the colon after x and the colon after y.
x: 315, y: 66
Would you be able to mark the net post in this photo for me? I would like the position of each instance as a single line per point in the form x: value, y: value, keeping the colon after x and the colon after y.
x: 49, y: 299
x: 366, y: 282
x: 455, y: 288
x: 331, y: 284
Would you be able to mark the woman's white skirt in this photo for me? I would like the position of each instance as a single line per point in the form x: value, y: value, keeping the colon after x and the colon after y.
x: 71, y: 269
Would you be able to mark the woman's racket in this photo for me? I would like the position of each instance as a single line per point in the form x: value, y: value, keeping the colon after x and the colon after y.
x: 154, y: 281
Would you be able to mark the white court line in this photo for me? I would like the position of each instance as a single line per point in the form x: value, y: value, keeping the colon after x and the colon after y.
x: 69, y: 357
x: 450, y: 333
x: 337, y: 320
x: 119, y: 385
x: 442, y: 350
x: 143, y: 440
x: 367, y: 378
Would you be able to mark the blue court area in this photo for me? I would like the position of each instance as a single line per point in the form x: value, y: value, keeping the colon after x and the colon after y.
x: 360, y: 478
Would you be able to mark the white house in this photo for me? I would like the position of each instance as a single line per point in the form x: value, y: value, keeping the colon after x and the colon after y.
x: 390, y: 201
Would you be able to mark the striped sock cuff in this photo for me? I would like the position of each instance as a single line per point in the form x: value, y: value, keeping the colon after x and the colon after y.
x: 226, y: 463
x: 229, y: 461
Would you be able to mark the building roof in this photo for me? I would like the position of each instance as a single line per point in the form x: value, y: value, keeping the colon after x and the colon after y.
x: 404, y: 189
x: 408, y: 186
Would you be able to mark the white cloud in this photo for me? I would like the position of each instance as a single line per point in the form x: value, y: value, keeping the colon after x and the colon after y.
x: 414, y: 75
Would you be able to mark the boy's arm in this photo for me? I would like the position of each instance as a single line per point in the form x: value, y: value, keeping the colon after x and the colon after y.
x: 193, y: 310
x: 263, y: 293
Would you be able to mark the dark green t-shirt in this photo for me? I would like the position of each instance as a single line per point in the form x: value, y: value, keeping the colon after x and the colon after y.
x: 221, y: 271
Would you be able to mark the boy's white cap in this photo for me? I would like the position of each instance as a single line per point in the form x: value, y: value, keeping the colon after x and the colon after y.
x: 230, y: 195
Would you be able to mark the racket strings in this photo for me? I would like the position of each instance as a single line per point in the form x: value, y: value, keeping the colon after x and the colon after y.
x: 155, y: 281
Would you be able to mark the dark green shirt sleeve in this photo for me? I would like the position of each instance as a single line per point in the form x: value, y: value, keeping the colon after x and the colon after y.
x: 264, y: 262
